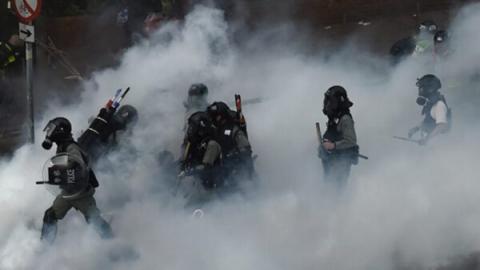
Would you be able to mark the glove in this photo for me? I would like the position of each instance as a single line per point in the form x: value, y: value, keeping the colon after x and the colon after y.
x: 412, y: 131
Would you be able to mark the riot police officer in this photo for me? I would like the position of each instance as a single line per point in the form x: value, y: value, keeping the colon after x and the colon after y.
x: 102, y: 132
x: 424, y: 38
x: 339, y: 149
x: 437, y: 114
x: 196, y: 99
x: 76, y: 181
x: 202, y: 153
x: 232, y: 136
x: 416, y: 45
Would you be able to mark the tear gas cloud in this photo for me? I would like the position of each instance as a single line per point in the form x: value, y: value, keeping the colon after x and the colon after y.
x: 406, y: 206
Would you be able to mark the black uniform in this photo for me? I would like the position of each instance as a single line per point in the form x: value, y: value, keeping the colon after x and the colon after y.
x: 76, y: 191
x: 232, y: 137
x: 101, y: 134
x: 202, y: 153
x: 420, y: 43
x: 430, y: 97
x: 340, y: 131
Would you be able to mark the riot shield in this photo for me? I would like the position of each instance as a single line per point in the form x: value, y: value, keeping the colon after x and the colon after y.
x: 65, y: 173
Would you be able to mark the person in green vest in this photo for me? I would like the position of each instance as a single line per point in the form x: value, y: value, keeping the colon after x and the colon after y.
x: 10, y: 52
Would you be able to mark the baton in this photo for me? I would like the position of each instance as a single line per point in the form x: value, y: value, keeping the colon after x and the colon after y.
x: 406, y: 139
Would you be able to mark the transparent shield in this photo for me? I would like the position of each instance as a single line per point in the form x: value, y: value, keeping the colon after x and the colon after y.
x: 64, y: 172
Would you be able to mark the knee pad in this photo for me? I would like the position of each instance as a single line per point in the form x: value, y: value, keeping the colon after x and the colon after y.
x: 49, y: 217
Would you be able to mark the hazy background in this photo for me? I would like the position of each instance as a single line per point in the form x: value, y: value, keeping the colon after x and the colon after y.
x: 407, y: 207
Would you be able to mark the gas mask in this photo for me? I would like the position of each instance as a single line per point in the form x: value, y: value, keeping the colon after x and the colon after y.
x: 423, y: 95
x: 422, y: 100
x: 56, y: 130
x: 50, y: 131
x: 331, y: 105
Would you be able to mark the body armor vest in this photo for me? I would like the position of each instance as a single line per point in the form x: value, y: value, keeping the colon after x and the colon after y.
x: 333, y: 134
x: 92, y: 178
x: 429, y: 124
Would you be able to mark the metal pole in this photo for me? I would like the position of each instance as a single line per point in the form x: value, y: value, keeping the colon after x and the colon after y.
x: 29, y: 85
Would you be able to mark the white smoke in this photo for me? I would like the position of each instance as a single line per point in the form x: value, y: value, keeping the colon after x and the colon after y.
x: 406, y: 206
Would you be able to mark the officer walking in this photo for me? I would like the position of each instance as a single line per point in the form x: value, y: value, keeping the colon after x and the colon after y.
x: 437, y: 114
x: 77, y: 189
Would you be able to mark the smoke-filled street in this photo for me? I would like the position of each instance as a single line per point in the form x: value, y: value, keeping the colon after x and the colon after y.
x: 413, y: 204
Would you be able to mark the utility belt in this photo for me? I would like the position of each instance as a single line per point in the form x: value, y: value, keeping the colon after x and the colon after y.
x: 351, y: 153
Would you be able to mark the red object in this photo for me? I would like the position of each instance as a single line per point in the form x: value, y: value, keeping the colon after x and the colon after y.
x: 152, y: 22
x: 25, y: 11
x: 238, y: 103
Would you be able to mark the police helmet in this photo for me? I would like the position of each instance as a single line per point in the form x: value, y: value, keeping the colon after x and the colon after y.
x: 428, y: 85
x: 127, y: 113
x: 57, y: 130
x: 219, y: 108
x: 336, y: 100
x: 198, y: 89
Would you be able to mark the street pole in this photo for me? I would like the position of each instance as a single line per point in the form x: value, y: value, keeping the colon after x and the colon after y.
x: 27, y: 11
x: 29, y: 85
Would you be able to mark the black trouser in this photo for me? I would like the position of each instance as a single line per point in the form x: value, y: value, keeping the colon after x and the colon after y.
x: 336, y: 170
x: 86, y: 205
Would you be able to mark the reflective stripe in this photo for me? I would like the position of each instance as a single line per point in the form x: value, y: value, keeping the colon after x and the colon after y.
x: 94, y: 131
x: 10, y: 55
x: 8, y: 47
x: 101, y: 119
x: 11, y: 59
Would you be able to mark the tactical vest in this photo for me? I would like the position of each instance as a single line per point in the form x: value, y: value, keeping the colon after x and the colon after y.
x: 226, y: 139
x: 92, y: 178
x: 7, y: 55
x: 333, y: 134
x: 429, y: 124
